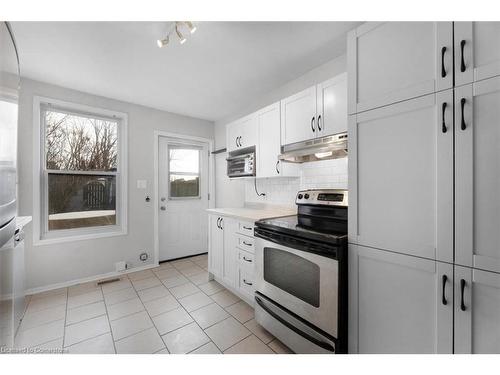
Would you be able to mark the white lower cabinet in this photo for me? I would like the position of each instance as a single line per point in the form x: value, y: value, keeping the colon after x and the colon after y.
x: 231, y: 255
x: 477, y: 311
x: 215, y: 245
x: 399, y: 303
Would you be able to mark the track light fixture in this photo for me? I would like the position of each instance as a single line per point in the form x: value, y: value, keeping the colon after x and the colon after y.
x: 176, y: 28
x: 163, y: 42
x: 182, y: 40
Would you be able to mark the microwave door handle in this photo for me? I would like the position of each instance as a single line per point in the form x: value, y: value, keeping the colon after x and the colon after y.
x: 305, y: 335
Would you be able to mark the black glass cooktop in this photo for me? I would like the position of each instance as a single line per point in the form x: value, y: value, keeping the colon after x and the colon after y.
x: 311, y: 227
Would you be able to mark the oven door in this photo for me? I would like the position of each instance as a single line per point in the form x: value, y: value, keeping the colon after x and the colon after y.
x: 302, y: 282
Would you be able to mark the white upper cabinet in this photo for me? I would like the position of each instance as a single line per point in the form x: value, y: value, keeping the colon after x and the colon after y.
x: 298, y: 117
x: 318, y: 111
x: 477, y: 311
x: 393, y: 61
x: 399, y: 303
x: 401, y: 177
x: 241, y: 133
x: 332, y: 106
x: 269, y: 145
x: 477, y: 175
x: 477, y: 51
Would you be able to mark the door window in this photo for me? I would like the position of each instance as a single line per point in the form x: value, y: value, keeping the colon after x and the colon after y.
x: 292, y: 274
x: 184, y: 172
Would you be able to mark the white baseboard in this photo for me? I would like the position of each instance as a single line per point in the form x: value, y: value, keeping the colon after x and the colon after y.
x: 87, y: 279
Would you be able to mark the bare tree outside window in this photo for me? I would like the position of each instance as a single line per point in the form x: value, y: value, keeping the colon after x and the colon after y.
x: 76, y: 144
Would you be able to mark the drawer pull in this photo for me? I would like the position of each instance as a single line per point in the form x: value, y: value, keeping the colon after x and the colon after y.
x: 247, y: 228
x: 246, y: 282
x: 246, y: 243
x: 247, y: 260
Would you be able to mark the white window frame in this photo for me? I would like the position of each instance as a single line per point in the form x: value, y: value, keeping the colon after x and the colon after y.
x: 186, y: 147
x: 41, y: 234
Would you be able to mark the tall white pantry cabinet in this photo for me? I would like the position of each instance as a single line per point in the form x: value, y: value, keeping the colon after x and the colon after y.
x: 424, y: 184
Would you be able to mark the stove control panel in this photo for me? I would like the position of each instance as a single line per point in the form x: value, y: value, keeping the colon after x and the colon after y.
x: 323, y: 197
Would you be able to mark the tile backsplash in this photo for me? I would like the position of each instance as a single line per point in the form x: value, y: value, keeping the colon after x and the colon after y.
x: 315, y: 175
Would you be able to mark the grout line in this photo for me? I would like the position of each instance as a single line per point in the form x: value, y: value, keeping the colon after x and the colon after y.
x: 65, y: 318
x: 107, y: 318
x: 151, y: 318
x: 92, y: 338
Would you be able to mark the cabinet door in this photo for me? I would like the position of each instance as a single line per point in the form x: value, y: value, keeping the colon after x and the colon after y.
x: 477, y: 311
x: 268, y: 147
x: 232, y: 136
x: 248, y: 131
x: 332, y: 106
x: 388, y: 62
x: 216, y: 245
x: 399, y: 303
x: 298, y: 117
x: 229, y: 260
x: 477, y: 175
x: 477, y: 51
x: 401, y: 177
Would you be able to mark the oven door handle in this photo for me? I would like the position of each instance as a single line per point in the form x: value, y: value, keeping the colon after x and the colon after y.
x: 305, y: 335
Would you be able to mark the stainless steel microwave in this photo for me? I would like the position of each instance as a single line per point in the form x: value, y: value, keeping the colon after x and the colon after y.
x: 241, y: 164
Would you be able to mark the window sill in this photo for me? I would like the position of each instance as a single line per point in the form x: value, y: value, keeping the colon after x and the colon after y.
x: 78, y: 237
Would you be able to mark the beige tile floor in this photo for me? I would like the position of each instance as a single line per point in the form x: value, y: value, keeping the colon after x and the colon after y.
x: 169, y: 309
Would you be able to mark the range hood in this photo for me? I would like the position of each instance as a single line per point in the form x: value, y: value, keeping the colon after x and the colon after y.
x: 329, y: 147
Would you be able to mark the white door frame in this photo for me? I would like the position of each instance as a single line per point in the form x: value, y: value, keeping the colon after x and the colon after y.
x: 210, y: 174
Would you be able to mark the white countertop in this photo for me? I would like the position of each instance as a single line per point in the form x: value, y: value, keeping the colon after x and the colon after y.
x: 22, y: 221
x: 254, y: 212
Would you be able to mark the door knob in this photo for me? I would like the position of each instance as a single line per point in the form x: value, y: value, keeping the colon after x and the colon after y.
x: 163, y: 208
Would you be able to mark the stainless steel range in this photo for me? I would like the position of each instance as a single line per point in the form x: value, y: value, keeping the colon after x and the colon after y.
x: 301, y: 263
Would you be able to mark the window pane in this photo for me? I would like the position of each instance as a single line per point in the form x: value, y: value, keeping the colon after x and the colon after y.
x: 77, y: 201
x: 184, y: 160
x: 184, y: 186
x: 80, y: 143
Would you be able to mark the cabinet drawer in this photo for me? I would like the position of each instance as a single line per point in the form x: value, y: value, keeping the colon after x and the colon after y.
x: 246, y: 243
x: 245, y: 227
x: 246, y: 282
x: 246, y: 260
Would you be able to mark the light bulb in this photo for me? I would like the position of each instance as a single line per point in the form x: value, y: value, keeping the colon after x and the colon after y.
x: 182, y: 40
x: 191, y: 27
x: 321, y: 155
x: 162, y: 42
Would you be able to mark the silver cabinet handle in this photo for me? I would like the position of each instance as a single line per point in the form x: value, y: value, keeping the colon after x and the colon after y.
x: 247, y: 260
x: 163, y: 199
x: 247, y: 228
x: 246, y: 243
x: 163, y: 208
x: 246, y: 282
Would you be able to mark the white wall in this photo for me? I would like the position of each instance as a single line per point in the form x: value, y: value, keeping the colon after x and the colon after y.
x: 51, y: 264
x: 281, y: 190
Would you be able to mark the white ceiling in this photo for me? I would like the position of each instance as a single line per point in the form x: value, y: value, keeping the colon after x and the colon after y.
x: 215, y: 73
